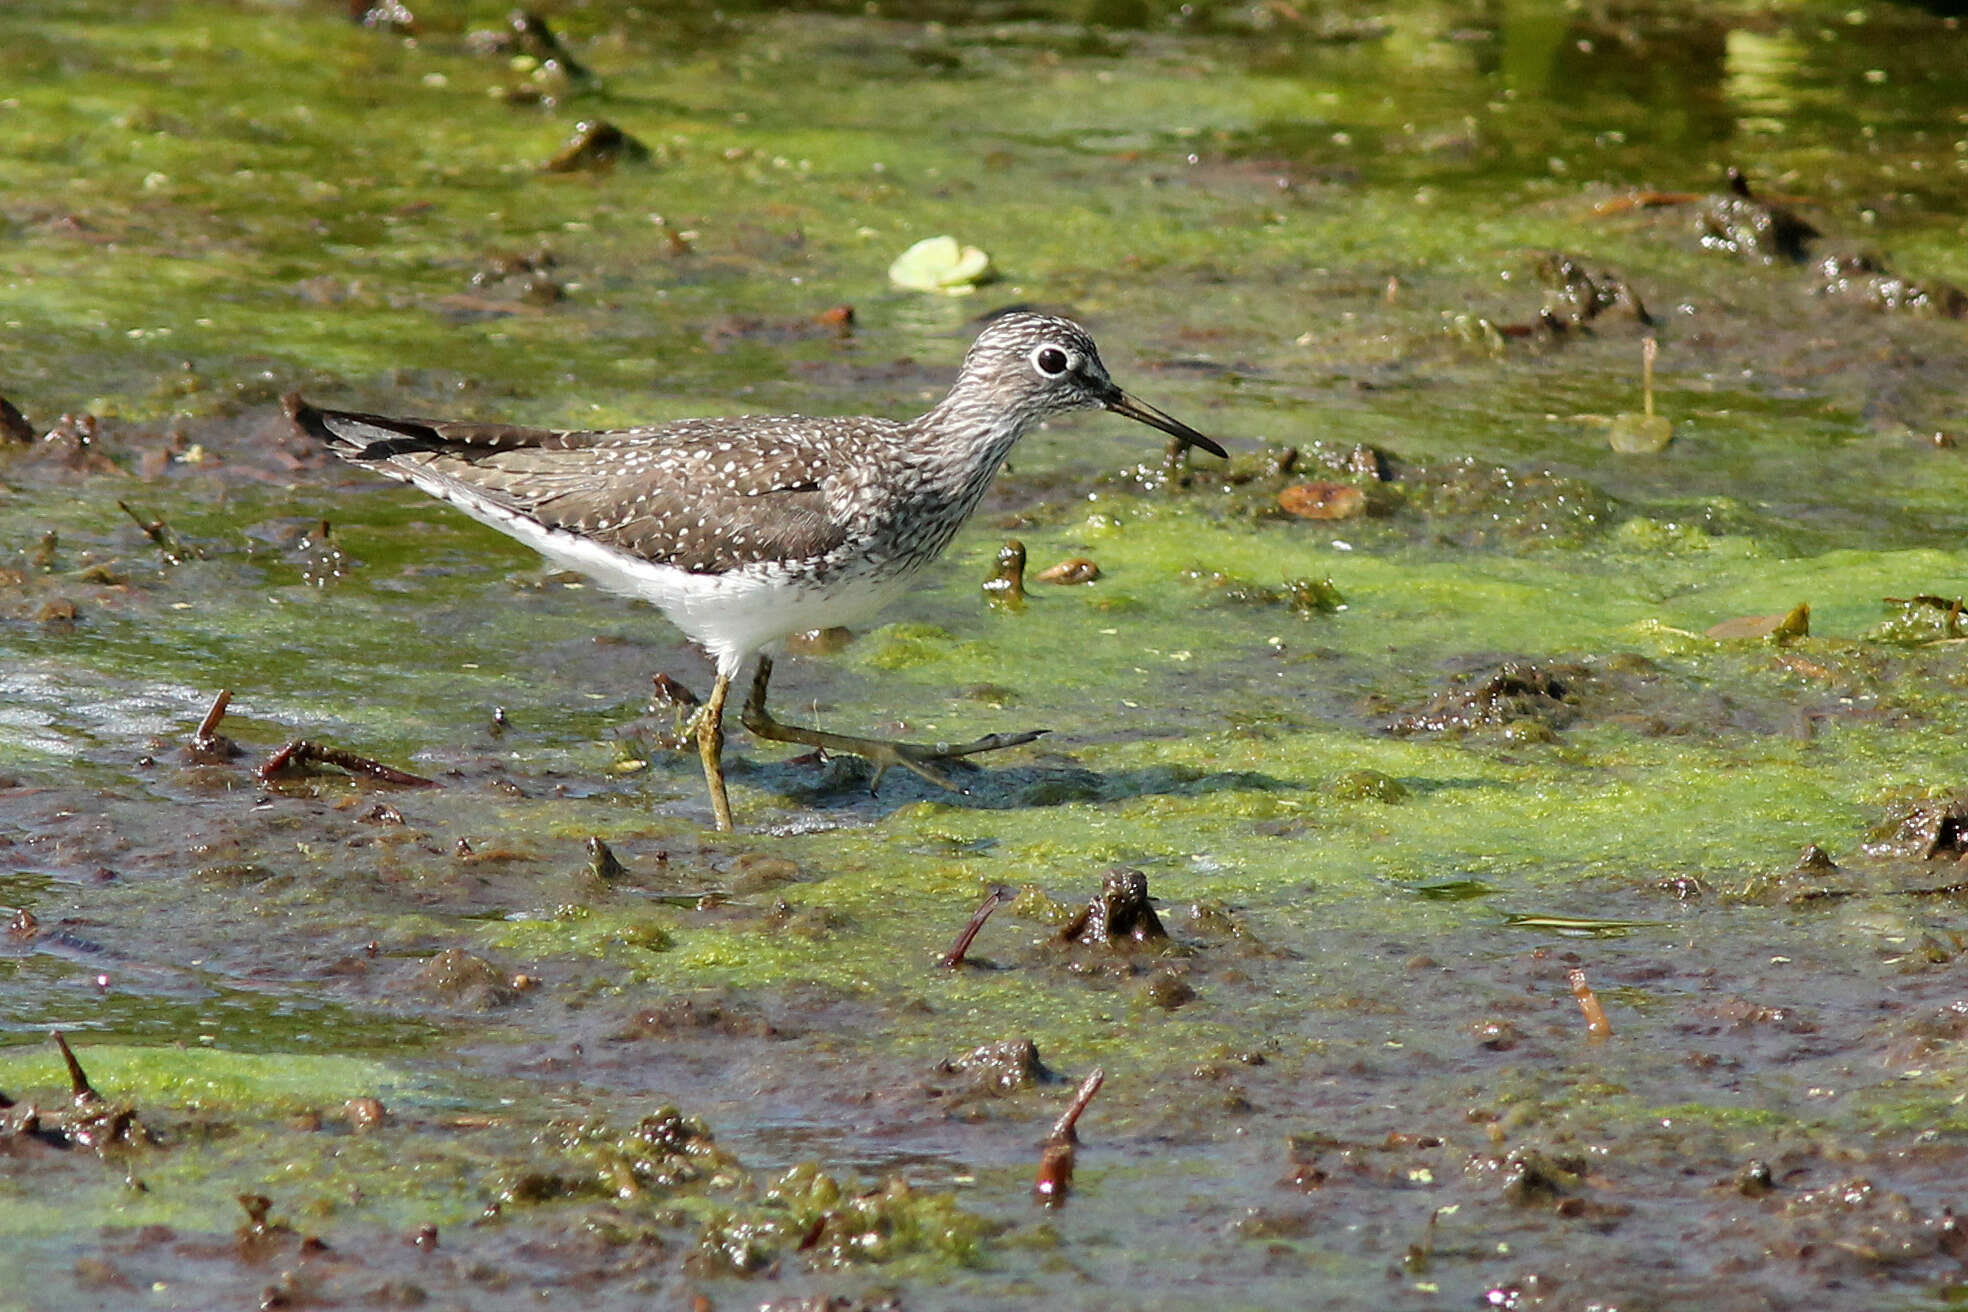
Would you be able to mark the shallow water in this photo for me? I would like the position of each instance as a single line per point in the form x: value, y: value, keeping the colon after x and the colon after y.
x: 1380, y: 836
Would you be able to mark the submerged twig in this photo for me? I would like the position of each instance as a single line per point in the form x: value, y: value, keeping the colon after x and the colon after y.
x: 210, y: 724
x: 83, y: 1093
x: 1596, y: 1023
x: 1063, y: 1129
x: 302, y: 752
x: 1055, y: 1179
x: 207, y: 745
x: 954, y: 957
x: 159, y: 532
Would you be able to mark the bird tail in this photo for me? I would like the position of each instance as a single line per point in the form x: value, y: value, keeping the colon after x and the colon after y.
x: 354, y: 435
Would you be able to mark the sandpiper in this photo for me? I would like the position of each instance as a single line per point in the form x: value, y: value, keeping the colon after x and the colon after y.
x: 744, y: 530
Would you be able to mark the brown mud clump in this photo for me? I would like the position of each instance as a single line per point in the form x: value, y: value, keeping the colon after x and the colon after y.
x: 1931, y: 829
x: 1740, y: 224
x: 1120, y: 913
x: 1516, y: 697
x: 89, y: 1121
x: 1004, y: 586
x: 1863, y: 279
x: 1002, y: 1067
x: 596, y: 144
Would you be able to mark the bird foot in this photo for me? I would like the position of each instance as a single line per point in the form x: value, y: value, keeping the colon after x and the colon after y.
x: 921, y: 759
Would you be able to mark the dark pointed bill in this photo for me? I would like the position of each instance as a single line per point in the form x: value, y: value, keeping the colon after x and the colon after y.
x: 1140, y: 411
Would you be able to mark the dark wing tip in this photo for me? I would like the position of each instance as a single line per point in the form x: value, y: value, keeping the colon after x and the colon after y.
x: 354, y: 435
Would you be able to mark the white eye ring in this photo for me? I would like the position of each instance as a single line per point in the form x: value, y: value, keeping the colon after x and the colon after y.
x: 1054, y: 361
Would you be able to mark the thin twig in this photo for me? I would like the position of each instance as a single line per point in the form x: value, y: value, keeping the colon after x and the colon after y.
x: 992, y: 901
x: 302, y: 752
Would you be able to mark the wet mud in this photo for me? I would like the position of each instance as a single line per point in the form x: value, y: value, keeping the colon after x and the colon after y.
x: 1478, y: 859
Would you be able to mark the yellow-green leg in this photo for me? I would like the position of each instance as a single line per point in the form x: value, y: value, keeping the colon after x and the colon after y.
x: 710, y: 746
x: 917, y: 758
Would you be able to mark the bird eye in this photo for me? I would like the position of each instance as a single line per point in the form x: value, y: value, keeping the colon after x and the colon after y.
x: 1051, y: 361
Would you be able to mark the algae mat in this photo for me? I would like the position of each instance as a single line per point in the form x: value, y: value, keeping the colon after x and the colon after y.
x: 1555, y: 818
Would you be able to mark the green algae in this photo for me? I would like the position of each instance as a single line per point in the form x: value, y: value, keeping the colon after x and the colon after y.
x: 1273, y: 233
x: 237, y: 1082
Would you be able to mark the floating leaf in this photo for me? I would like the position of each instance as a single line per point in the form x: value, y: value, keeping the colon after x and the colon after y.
x: 1639, y: 435
x: 1646, y: 432
x: 1576, y: 926
x: 1447, y: 890
x: 1794, y: 623
x: 940, y: 264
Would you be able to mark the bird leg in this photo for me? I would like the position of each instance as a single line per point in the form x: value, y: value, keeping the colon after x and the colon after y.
x: 710, y: 746
x: 918, y: 758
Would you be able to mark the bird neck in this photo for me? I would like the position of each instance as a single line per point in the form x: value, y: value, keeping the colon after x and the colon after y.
x: 959, y: 445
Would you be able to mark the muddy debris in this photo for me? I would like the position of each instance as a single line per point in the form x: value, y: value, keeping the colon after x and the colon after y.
x: 1305, y: 597
x: 1813, y: 877
x: 1316, y: 1160
x: 1530, y: 1177
x: 1003, y: 1067
x: 1919, y: 620
x: 76, y: 444
x: 1853, y: 1225
x: 1576, y: 297
x: 364, y: 1113
x: 603, y: 863
x: 596, y: 145
x: 1167, y: 989
x: 1004, y: 586
x: 1368, y: 786
x: 761, y: 872
x: 1754, y: 1180
x: 1739, y: 224
x: 174, y: 550
x: 684, y: 1015
x: 807, y: 1215
x: 532, y: 36
x: 1215, y: 920
x: 1323, y: 500
x: 521, y: 279
x: 727, y: 331
x: 14, y: 428
x: 1780, y: 627
x: 1073, y: 570
x: 1526, y: 701
x: 89, y: 1121
x: 207, y: 746
x: 1863, y: 279
x: 1121, y: 913
x: 1929, y: 829
x: 464, y: 980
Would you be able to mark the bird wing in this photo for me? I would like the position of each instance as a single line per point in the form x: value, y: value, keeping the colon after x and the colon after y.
x: 702, y: 495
